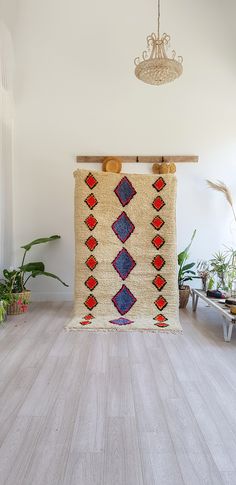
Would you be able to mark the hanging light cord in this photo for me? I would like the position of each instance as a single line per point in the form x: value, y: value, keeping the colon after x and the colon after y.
x: 158, y: 19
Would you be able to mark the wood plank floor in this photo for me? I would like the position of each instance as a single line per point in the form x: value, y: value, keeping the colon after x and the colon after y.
x: 82, y: 408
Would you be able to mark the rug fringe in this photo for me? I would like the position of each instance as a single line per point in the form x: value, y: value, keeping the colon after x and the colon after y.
x: 108, y: 330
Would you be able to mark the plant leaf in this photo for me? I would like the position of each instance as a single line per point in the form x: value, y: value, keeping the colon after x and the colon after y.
x: 187, y: 278
x: 188, y: 266
x: 45, y: 273
x: 184, y: 254
x: 9, y: 274
x: 192, y: 238
x: 182, y: 257
x: 29, y: 267
x: 188, y: 272
x: 40, y: 241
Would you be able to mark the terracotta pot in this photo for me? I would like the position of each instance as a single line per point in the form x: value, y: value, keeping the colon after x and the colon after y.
x: 184, y: 293
x: 21, y: 303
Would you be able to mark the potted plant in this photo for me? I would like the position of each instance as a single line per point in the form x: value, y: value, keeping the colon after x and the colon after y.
x: 15, y: 281
x: 220, y: 266
x: 5, y: 300
x: 204, y: 271
x: 3, y: 311
x: 185, y: 273
x: 231, y: 271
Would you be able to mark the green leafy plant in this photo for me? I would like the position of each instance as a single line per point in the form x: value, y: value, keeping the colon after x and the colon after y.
x: 219, y: 267
x: 186, y: 272
x: 204, y: 272
x: 3, y: 310
x: 15, y: 280
x: 223, y: 266
x: 6, y: 298
x: 220, y: 271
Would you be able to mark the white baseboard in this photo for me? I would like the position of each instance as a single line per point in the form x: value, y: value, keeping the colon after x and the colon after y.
x: 51, y: 296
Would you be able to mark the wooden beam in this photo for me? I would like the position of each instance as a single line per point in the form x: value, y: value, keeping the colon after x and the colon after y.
x: 151, y: 159
x: 140, y: 158
x: 94, y: 159
x: 181, y: 159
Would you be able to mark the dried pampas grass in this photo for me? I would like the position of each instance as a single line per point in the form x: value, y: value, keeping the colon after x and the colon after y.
x: 222, y: 187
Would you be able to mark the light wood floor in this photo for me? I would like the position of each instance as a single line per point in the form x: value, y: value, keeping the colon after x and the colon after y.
x: 113, y: 408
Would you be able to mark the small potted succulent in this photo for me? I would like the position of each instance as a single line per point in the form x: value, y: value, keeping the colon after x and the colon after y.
x: 185, y: 273
x: 15, y: 280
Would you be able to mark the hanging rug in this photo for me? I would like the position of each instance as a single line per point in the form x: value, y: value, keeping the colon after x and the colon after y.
x: 125, y: 252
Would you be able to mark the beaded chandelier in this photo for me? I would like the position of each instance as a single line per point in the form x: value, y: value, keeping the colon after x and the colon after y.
x: 154, y: 66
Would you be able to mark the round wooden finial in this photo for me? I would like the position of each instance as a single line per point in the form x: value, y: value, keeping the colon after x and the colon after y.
x: 156, y: 167
x: 111, y: 164
x: 164, y: 168
x: 172, y: 168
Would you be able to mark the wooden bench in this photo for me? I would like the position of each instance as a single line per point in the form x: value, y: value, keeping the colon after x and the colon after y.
x: 229, y: 320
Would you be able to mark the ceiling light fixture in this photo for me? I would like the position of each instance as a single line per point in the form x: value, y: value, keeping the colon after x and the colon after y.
x: 154, y: 66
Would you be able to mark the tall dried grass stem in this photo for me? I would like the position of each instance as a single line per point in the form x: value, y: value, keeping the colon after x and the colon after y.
x: 222, y: 187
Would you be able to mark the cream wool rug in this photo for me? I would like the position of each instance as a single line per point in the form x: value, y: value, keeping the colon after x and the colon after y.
x: 126, y: 264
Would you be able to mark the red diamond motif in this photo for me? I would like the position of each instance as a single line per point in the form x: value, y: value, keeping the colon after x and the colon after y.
x: 158, y: 262
x: 88, y: 317
x: 158, y: 241
x: 91, y: 243
x: 158, y: 203
x: 160, y: 318
x: 159, y: 184
x: 91, y: 201
x: 85, y: 322
x: 157, y: 222
x: 91, y: 283
x: 159, y: 282
x: 161, y: 302
x: 91, y: 181
x: 91, y: 222
x: 91, y: 302
x: 91, y: 262
x: 162, y: 325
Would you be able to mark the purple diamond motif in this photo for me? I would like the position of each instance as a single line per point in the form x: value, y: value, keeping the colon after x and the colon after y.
x: 121, y: 321
x: 123, y: 227
x: 125, y: 191
x: 124, y: 300
x: 123, y: 263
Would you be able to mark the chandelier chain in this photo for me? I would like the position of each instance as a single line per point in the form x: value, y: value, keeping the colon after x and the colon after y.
x: 158, y: 19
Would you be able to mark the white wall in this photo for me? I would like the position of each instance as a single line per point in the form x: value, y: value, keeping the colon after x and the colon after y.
x: 8, y: 13
x: 76, y: 93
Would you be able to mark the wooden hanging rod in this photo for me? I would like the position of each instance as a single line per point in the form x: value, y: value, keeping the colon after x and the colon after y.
x: 141, y: 159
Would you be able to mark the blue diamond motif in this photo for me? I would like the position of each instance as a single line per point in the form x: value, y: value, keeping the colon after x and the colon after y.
x: 125, y: 191
x: 124, y: 300
x: 121, y: 321
x: 123, y: 227
x: 123, y: 263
